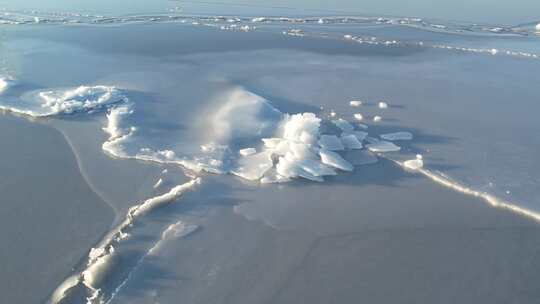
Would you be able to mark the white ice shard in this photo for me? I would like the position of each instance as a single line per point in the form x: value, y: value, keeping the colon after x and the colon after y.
x: 538, y: 27
x: 158, y: 183
x: 247, y: 151
x: 383, y: 105
x: 289, y: 167
x: 414, y: 164
x: 383, y: 146
x: 335, y: 160
x: 350, y: 141
x: 397, y: 136
x: 253, y: 167
x: 377, y: 118
x: 358, y: 116
x: 355, y: 103
x: 343, y: 125
x: 331, y: 142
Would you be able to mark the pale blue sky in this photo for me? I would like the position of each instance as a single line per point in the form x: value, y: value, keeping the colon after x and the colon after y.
x: 495, y: 11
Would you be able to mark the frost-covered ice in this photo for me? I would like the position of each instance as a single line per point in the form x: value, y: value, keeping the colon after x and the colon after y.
x: 383, y: 146
x: 358, y: 116
x: 414, y: 164
x: 355, y: 103
x: 247, y: 151
x: 331, y: 142
x: 383, y: 105
x: 397, y: 136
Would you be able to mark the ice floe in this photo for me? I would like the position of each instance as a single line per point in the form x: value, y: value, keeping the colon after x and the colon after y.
x: 397, y: 136
x: 382, y: 147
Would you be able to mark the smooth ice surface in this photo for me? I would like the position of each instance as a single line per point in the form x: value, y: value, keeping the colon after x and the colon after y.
x: 397, y: 136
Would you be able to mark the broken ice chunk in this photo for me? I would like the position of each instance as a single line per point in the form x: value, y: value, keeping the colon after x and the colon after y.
x: 335, y: 160
x: 360, y: 135
x: 414, y: 164
x: 247, y: 151
x: 343, y: 125
x: 397, y: 136
x: 383, y: 146
x: 355, y: 103
x: 362, y: 126
x: 272, y: 177
x: 301, y: 151
x: 358, y: 116
x: 377, y: 118
x: 253, y: 167
x: 331, y: 142
x: 351, y: 142
x: 383, y: 105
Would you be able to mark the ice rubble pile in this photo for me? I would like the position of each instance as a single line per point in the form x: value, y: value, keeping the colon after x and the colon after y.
x: 301, y: 151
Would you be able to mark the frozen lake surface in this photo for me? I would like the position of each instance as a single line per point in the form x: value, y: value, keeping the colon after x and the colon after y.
x: 294, y: 142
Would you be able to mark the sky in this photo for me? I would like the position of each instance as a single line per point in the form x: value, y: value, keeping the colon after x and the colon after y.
x: 482, y: 11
